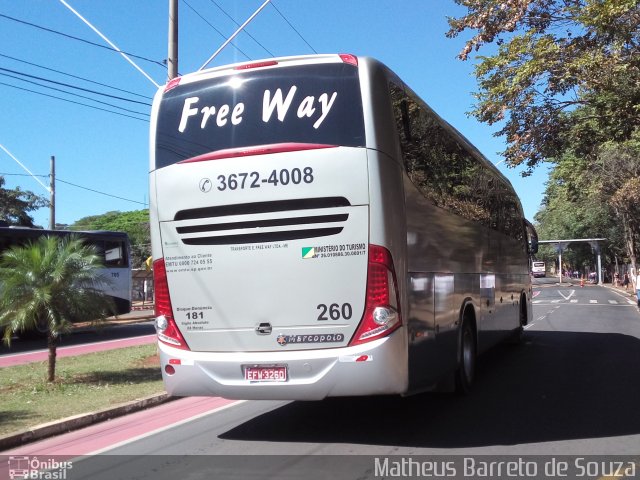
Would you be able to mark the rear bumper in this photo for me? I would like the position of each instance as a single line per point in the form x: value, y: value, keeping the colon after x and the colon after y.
x: 375, y: 368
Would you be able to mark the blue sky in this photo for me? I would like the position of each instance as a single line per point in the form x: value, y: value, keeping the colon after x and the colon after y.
x: 99, y: 151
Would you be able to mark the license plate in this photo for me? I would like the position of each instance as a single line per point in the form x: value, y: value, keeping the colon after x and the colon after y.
x: 266, y: 374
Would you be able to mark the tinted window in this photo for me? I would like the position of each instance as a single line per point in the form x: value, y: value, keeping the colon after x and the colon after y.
x: 304, y: 104
x: 450, y: 175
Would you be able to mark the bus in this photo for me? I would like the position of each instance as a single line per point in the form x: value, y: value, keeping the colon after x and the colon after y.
x: 317, y: 230
x: 538, y: 269
x: 112, y: 246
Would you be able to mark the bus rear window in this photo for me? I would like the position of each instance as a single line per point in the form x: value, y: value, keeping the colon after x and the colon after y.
x: 319, y: 104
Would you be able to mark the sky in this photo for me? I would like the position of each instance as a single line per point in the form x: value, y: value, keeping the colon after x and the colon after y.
x: 102, y: 149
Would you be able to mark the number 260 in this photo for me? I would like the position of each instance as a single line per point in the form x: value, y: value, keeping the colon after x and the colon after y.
x: 335, y: 311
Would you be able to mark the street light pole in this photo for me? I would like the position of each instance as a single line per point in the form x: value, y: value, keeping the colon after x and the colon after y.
x: 52, y: 194
x: 172, y: 59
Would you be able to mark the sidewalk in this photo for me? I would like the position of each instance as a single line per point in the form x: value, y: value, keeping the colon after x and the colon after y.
x: 630, y: 291
x: 76, y: 422
x: 137, y: 314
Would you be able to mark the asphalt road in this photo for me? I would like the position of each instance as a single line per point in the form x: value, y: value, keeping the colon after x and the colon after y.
x: 572, y: 389
x: 81, y: 336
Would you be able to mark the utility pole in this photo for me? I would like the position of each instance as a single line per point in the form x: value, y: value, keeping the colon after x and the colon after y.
x: 52, y: 194
x: 172, y: 60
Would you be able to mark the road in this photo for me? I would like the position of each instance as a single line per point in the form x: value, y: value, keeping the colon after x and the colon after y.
x: 572, y: 388
x: 81, y: 336
x: 85, y: 340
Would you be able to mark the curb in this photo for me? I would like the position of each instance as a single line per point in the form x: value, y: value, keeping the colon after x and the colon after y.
x: 121, y: 320
x: 76, y: 422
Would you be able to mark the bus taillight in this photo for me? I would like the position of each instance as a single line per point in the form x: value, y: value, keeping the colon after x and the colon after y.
x: 173, y: 83
x: 382, y: 311
x: 249, y: 66
x: 165, y: 324
x: 349, y: 58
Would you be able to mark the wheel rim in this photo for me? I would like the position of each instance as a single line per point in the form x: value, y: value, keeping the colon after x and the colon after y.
x: 467, y: 354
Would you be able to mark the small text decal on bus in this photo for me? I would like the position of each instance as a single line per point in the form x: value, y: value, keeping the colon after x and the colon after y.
x: 309, y: 107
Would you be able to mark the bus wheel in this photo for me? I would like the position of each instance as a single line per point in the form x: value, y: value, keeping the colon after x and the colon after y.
x: 517, y: 337
x: 466, y: 371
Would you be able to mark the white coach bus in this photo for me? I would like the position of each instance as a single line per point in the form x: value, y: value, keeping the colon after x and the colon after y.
x: 317, y: 230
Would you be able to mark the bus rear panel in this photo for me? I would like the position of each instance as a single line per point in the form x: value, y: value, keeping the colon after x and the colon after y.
x: 295, y: 257
x: 263, y: 229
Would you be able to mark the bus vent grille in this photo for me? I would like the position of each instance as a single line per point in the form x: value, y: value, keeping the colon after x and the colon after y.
x: 262, y: 237
x: 252, y: 222
x: 262, y: 207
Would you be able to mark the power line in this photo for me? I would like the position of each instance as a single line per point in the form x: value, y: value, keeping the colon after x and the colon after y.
x: 75, y: 76
x: 95, y: 92
x: 22, y: 175
x: 80, y: 39
x: 213, y: 27
x: 76, y: 95
x: 245, y: 31
x: 101, y: 193
x: 74, y: 102
x: 113, y: 45
x: 294, y: 28
x: 78, y: 186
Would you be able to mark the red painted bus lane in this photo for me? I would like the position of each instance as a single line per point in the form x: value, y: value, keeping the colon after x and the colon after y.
x: 107, y: 435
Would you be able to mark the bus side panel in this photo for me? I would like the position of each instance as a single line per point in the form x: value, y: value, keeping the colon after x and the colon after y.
x: 119, y: 288
x: 512, y: 281
x: 439, y: 244
x: 154, y: 224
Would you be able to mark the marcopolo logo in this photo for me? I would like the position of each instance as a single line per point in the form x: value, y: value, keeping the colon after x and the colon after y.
x: 321, y: 338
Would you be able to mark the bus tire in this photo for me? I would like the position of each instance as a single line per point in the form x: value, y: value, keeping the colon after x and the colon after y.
x: 517, y: 336
x: 466, y: 371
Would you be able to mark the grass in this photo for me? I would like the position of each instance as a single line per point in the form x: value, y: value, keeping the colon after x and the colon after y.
x: 84, y: 383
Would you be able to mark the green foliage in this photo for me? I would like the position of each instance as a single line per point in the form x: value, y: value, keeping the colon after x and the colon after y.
x: 16, y: 204
x: 597, y: 196
x: 49, y: 284
x: 135, y: 224
x: 564, y: 86
x: 553, y: 57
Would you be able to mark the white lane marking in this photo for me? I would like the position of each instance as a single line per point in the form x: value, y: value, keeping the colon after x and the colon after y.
x: 571, y: 293
x: 593, y: 301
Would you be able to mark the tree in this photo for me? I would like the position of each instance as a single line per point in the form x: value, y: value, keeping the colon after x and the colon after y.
x: 618, y: 166
x: 596, y: 195
x: 554, y: 56
x: 49, y: 284
x: 135, y: 224
x: 16, y: 204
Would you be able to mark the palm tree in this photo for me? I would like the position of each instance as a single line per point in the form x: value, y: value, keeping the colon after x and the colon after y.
x: 48, y: 284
